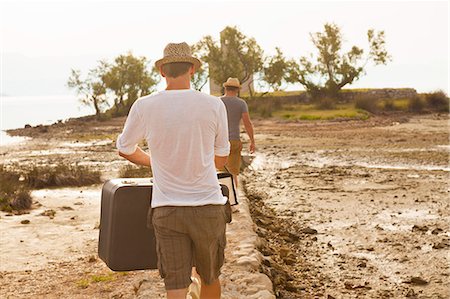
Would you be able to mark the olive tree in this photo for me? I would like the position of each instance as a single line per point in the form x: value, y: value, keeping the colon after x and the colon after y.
x: 92, y: 90
x: 274, y: 71
x: 236, y: 55
x: 327, y: 72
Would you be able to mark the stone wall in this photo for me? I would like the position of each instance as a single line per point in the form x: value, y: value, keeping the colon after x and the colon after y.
x: 346, y: 95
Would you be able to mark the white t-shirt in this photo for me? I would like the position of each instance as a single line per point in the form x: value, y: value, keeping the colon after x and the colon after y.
x: 184, y: 130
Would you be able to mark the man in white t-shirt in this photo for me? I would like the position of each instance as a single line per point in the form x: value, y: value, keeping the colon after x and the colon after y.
x: 187, y: 134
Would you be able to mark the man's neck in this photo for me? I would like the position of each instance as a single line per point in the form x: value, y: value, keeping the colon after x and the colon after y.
x: 231, y: 94
x: 178, y: 83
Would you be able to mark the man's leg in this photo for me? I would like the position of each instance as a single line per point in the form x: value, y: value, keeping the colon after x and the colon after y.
x: 208, y: 236
x: 174, y: 249
x: 211, y: 291
x: 235, y: 179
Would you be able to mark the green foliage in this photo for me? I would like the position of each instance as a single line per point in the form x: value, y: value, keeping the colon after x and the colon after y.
x: 92, y: 90
x: 416, y: 104
x: 275, y: 69
x: 235, y: 56
x: 200, y: 77
x: 437, y: 101
x: 128, y: 78
x: 332, y: 70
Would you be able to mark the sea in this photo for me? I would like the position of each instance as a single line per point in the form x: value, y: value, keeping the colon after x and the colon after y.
x: 16, y: 112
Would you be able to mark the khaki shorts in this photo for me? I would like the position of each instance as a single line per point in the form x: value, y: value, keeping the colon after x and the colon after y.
x: 187, y: 237
x: 234, y: 159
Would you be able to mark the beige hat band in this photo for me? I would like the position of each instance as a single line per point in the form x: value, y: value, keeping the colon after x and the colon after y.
x: 172, y: 59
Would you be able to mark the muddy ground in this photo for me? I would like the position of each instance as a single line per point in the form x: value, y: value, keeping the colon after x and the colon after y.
x: 354, y: 210
x: 349, y: 209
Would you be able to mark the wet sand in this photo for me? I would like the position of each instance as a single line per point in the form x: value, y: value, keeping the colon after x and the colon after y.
x: 354, y: 209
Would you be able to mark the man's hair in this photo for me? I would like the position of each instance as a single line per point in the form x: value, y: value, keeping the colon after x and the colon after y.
x: 231, y: 88
x: 176, y: 69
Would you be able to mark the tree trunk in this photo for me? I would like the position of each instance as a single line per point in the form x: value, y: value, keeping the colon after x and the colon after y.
x: 97, y: 108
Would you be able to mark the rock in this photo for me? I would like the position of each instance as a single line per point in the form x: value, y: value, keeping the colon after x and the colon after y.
x: 417, y: 281
x: 418, y: 228
x: 264, y: 294
x: 289, y: 286
x: 441, y: 245
x: 92, y: 259
x: 289, y: 260
x: 284, y: 252
x: 309, y: 231
x: 362, y: 265
x: 348, y: 285
x: 49, y: 213
x: 411, y: 294
x: 27, y: 126
x: 26, y: 221
x: 437, y: 231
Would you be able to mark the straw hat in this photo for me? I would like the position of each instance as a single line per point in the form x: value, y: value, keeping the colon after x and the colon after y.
x: 178, y: 53
x: 232, y: 82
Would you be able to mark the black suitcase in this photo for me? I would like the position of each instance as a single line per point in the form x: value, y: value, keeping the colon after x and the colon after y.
x: 125, y: 242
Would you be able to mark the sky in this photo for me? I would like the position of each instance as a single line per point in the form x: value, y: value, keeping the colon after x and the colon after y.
x: 41, y: 41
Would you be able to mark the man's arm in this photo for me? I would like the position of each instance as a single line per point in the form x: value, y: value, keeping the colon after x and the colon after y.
x: 249, y: 129
x: 139, y: 157
x: 221, y: 143
x: 220, y: 161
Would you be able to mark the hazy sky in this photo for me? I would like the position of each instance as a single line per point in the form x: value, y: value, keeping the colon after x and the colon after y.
x: 41, y: 41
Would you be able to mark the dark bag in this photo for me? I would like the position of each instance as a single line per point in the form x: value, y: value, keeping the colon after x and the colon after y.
x: 126, y: 242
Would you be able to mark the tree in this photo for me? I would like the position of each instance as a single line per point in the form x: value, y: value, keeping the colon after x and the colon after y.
x: 200, y: 77
x: 235, y: 56
x: 333, y: 70
x: 129, y: 78
x: 275, y: 70
x: 92, y: 90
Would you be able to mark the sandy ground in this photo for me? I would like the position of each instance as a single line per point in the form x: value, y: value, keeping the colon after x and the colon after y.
x: 356, y: 209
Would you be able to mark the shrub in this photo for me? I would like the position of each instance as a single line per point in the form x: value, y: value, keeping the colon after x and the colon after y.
x: 325, y: 103
x: 60, y: 176
x: 14, y: 193
x: 367, y: 103
x: 416, y: 104
x: 389, y: 105
x: 132, y: 171
x: 21, y: 200
x: 438, y: 101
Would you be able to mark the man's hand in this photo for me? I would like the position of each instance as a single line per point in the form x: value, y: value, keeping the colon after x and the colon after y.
x: 139, y: 157
x: 252, y: 147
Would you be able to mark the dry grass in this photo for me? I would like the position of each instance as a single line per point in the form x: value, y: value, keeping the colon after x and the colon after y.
x: 14, y: 192
x: 133, y: 171
x: 61, y: 176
